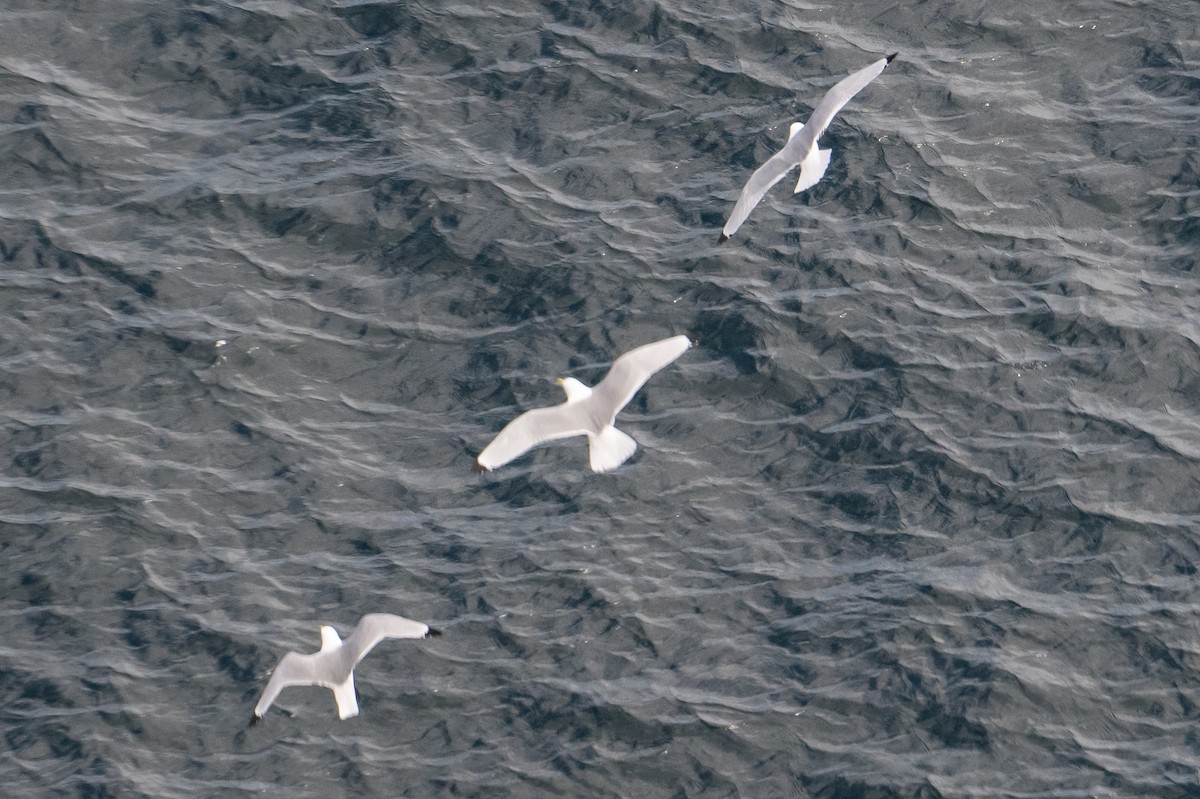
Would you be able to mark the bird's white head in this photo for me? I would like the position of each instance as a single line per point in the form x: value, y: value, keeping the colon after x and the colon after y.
x: 575, y: 390
x: 794, y: 128
x: 330, y: 640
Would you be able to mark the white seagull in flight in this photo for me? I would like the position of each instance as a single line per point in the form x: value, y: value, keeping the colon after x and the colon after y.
x: 801, y: 148
x: 333, y: 666
x: 587, y: 411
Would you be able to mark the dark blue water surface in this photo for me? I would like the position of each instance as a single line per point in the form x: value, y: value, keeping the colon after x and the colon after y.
x: 919, y: 517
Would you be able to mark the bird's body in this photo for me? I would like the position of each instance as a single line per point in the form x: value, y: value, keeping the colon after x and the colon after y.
x: 801, y: 148
x: 587, y: 411
x: 333, y: 666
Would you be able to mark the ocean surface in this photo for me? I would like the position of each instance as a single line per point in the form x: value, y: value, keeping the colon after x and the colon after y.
x: 918, y: 517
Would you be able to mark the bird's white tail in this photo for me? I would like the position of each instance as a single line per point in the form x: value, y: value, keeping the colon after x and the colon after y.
x: 812, y: 168
x: 609, y: 449
x: 347, y: 702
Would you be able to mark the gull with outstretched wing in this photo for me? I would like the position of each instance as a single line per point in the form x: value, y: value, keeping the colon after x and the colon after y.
x: 587, y: 411
x: 801, y: 148
x: 333, y: 666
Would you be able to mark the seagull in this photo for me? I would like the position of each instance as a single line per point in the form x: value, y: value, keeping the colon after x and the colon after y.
x: 587, y: 411
x: 333, y: 666
x: 801, y: 148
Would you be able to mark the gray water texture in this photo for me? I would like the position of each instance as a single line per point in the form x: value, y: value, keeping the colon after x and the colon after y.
x: 918, y: 517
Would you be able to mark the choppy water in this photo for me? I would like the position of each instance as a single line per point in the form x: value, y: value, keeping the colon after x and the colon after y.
x: 919, y: 517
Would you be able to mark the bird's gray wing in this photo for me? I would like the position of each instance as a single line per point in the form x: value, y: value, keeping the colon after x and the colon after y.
x: 374, y: 627
x: 836, y: 98
x: 629, y: 372
x: 293, y: 669
x: 766, y: 176
x: 530, y: 429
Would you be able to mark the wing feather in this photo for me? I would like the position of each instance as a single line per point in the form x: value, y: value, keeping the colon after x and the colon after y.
x: 374, y: 627
x: 766, y: 176
x: 630, y: 372
x: 527, y: 431
x: 293, y: 669
x: 836, y: 98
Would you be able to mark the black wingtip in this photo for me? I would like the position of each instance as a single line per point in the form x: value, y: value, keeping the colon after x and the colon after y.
x: 893, y: 55
x: 478, y: 467
x: 253, y: 719
x: 433, y: 633
x: 722, y: 238
x: 693, y: 338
